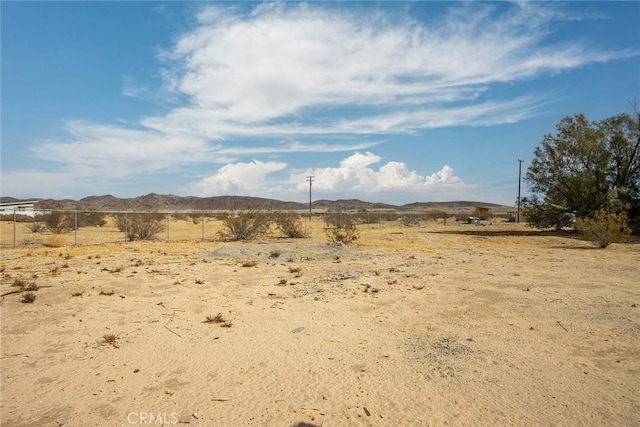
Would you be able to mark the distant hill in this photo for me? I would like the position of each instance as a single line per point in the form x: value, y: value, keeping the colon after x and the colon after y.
x: 172, y: 203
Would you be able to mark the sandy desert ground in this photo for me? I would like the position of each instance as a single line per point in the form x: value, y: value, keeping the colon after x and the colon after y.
x: 431, y: 325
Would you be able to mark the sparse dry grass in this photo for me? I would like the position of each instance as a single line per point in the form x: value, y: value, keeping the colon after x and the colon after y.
x: 55, y: 241
x: 219, y: 319
x: 249, y: 263
x: 274, y: 253
x: 28, y: 297
x: 215, y: 319
x: 110, y: 339
x: 24, y: 284
x: 19, y: 282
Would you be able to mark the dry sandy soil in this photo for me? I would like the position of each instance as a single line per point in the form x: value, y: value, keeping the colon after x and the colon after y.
x: 431, y: 325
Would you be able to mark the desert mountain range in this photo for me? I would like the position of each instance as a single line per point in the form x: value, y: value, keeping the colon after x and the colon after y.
x: 169, y: 202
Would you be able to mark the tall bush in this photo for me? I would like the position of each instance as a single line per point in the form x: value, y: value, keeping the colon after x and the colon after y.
x: 58, y: 222
x: 144, y: 226
x: 244, y: 225
x: 140, y: 226
x: 120, y: 221
x: 341, y: 228
x: 289, y: 223
x: 604, y: 228
x: 91, y: 219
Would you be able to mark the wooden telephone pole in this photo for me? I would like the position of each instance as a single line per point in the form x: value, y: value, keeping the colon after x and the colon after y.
x: 310, y: 181
x: 519, y: 180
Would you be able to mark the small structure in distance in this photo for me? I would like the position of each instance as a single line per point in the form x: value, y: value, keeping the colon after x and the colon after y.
x: 25, y: 207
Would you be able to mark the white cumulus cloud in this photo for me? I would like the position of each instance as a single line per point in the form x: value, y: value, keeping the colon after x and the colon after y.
x: 239, y: 179
x: 356, y: 176
x: 361, y: 175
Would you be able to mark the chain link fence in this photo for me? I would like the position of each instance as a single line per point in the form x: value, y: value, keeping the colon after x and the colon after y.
x: 55, y: 228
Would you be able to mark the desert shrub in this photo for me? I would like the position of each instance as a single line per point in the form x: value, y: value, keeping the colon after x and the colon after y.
x: 195, y: 217
x: 274, y: 253
x: 221, y: 215
x: 365, y: 217
x: 244, y: 225
x: 409, y: 220
x: 144, y: 226
x: 604, y: 228
x: 120, y: 221
x: 179, y: 216
x: 110, y: 339
x: 91, y: 219
x: 36, y: 227
x: 140, y: 226
x: 215, y: 319
x: 57, y: 222
x: 24, y: 284
x: 341, y: 228
x: 19, y: 217
x: 54, y: 241
x: 434, y: 214
x: 28, y: 297
x: 390, y: 216
x: 289, y: 223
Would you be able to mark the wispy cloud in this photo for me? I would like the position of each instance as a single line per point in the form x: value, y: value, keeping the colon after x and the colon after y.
x: 306, y: 69
x: 129, y: 87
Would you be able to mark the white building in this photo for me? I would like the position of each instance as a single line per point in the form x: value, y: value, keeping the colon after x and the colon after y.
x: 25, y: 207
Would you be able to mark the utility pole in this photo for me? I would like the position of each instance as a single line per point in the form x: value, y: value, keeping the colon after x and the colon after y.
x: 519, y: 180
x: 310, y: 181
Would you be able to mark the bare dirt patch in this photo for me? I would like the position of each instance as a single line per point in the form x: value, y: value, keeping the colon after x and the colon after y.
x: 428, y: 325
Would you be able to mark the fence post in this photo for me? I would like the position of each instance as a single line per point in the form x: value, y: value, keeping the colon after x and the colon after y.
x: 203, y: 226
x: 75, y: 227
x: 14, y: 228
x: 126, y: 226
x: 168, y: 226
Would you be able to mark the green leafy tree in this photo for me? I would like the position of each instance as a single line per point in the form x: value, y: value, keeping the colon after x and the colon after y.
x: 623, y: 144
x: 545, y: 215
x: 584, y: 167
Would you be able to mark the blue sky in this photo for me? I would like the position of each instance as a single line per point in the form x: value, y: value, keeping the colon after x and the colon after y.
x: 382, y: 101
